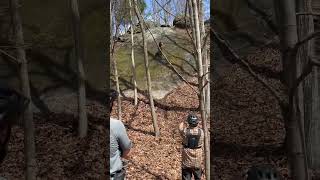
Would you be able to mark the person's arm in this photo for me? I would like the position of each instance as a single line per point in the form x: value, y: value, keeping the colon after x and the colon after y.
x: 124, y: 141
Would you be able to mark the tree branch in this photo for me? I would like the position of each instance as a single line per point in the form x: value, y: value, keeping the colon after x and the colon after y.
x: 223, y: 45
x: 264, y: 16
x: 11, y: 58
x: 308, y: 13
x: 165, y: 57
x: 306, y: 39
x: 306, y: 71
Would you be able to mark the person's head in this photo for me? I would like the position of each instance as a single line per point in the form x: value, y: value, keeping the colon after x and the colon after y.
x: 192, y: 120
x: 113, y: 94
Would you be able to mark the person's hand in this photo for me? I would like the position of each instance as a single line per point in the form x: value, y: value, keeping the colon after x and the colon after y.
x: 181, y: 126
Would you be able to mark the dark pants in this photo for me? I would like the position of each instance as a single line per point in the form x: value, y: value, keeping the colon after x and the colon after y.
x: 188, y: 172
x: 119, y: 175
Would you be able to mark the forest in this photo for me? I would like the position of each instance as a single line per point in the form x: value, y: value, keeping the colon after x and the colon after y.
x: 52, y: 53
x: 224, y: 89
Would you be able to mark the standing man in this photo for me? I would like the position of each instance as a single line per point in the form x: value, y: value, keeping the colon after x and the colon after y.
x: 120, y: 144
x: 192, y: 153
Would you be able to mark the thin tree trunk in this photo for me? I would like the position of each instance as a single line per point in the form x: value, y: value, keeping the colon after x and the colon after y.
x: 146, y: 63
x: 29, y: 139
x: 192, y: 20
x: 286, y: 15
x: 201, y: 83
x: 132, y: 57
x: 83, y: 120
x: 114, y: 62
x: 205, y: 60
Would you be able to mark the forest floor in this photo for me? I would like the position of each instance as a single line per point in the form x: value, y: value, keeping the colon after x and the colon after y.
x: 60, y: 154
x: 246, y: 129
x: 157, y: 158
x: 247, y: 124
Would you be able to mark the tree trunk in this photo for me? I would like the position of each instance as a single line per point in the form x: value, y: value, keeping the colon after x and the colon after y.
x: 114, y: 62
x: 286, y: 16
x: 192, y: 20
x: 201, y: 83
x: 146, y: 63
x: 312, y: 93
x: 132, y: 57
x: 29, y: 139
x: 83, y: 120
x: 115, y: 68
x: 205, y: 61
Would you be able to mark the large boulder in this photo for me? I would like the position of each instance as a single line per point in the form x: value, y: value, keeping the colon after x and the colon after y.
x: 180, y: 21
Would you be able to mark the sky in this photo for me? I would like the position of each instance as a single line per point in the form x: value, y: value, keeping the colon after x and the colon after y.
x: 149, y: 11
x: 206, y: 8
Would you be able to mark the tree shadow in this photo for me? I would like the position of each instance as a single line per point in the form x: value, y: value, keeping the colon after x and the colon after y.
x: 236, y: 151
x: 149, y: 171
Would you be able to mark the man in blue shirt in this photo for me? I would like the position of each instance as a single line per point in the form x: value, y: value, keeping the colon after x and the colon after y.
x: 120, y: 144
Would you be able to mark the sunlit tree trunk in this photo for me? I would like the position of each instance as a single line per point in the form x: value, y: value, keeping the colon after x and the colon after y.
x: 205, y: 60
x: 146, y: 63
x: 114, y: 63
x: 132, y: 57
x: 199, y: 60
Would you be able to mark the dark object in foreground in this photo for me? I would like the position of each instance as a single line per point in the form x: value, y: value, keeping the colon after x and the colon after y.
x: 263, y: 172
x: 12, y: 106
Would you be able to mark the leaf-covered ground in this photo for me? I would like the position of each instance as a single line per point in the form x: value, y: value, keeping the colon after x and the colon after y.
x: 246, y: 126
x: 157, y: 158
x: 60, y: 153
x: 247, y: 123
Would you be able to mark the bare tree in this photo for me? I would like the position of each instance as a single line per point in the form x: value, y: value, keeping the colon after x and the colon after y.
x: 205, y: 60
x: 83, y: 120
x: 29, y: 140
x: 132, y: 57
x: 116, y: 25
x: 146, y: 63
x: 197, y: 33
